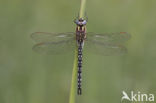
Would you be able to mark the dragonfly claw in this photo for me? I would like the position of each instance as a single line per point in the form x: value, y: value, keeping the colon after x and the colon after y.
x: 79, y: 91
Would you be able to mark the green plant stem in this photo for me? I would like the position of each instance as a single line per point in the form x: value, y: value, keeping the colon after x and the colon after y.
x: 82, y: 8
x: 74, y: 80
x: 74, y: 73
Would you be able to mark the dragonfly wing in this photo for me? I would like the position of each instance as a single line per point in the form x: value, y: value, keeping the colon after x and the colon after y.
x: 52, y: 43
x: 53, y: 48
x: 106, y: 49
x: 111, y: 38
x: 51, y: 37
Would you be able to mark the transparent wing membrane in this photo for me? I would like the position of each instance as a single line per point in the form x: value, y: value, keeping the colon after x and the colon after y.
x: 51, y: 43
x: 55, y: 47
x: 113, y: 38
x: 107, y: 43
x: 106, y: 49
x: 104, y: 44
x: 51, y: 37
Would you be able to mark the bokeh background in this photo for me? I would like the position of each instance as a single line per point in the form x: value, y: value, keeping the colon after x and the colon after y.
x: 28, y: 77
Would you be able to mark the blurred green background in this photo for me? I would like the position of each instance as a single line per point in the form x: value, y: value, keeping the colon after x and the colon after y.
x: 28, y: 77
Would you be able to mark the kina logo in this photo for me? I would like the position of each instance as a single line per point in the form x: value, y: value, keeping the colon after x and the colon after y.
x: 140, y: 97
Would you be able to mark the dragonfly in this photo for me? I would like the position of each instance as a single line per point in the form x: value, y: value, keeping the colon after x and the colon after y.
x: 103, y: 43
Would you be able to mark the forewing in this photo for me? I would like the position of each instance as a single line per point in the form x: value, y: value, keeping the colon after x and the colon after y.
x: 111, y: 38
x: 51, y: 37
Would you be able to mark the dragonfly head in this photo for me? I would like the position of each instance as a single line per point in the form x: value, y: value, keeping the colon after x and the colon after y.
x: 80, y: 22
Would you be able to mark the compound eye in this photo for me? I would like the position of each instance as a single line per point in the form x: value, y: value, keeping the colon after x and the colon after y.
x: 84, y: 22
x: 76, y: 22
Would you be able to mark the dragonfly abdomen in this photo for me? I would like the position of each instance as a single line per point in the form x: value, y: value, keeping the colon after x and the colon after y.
x: 79, y: 90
